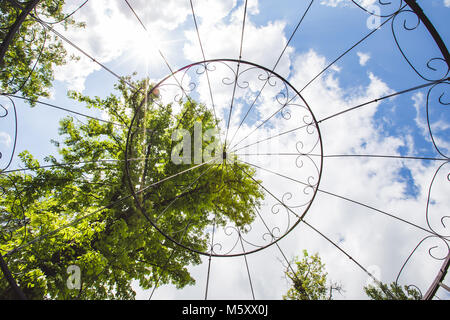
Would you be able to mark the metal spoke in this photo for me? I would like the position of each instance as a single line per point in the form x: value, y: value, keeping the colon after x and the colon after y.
x: 245, y: 258
x: 75, y: 222
x: 344, y: 111
x: 145, y: 28
x: 258, y: 126
x: 272, y: 137
x: 46, y: 25
x: 377, y: 281
x: 246, y: 265
x: 237, y: 73
x: 211, y: 248
x: 277, y: 245
x: 172, y: 254
x: 273, y: 69
x: 344, y: 156
x: 301, y: 219
x: 78, y: 220
x: 183, y: 191
x: 209, y: 262
x: 384, y: 98
x: 347, y: 51
x: 70, y: 164
x: 67, y: 110
x: 204, y: 58
x: 269, y: 192
x: 163, y: 57
x: 176, y: 175
x: 340, y: 197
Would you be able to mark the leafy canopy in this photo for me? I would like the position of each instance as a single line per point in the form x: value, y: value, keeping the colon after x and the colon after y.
x: 309, y: 280
x: 30, y: 50
x: 93, y: 221
x: 392, y: 291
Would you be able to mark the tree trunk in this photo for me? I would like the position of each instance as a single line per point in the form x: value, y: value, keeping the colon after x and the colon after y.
x: 12, y: 282
x: 15, y: 27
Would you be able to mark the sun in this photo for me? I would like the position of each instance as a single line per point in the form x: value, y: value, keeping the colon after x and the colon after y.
x: 147, y: 51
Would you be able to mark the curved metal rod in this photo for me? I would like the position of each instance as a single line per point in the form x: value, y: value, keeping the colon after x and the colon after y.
x: 344, y: 111
x: 431, y: 292
x: 429, y: 199
x: 429, y: 252
x: 172, y: 254
x: 273, y: 68
x: 237, y: 73
x: 204, y: 58
x: 383, y: 4
x: 2, y: 170
x: 431, y: 29
x: 65, y: 17
x: 433, y: 140
x: 403, y: 53
x: 350, y: 200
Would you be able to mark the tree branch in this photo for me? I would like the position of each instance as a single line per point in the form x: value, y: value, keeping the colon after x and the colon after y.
x: 9, y: 277
x: 15, y: 27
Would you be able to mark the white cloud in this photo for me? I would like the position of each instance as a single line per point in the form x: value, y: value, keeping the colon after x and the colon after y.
x: 368, y: 235
x: 363, y: 58
x: 113, y: 34
x: 210, y: 12
x: 419, y: 105
x: 112, y: 31
x: 447, y: 3
x: 331, y: 3
x: 335, y: 3
x: 228, y: 31
x: 372, y: 238
x: 439, y: 128
x: 5, y: 139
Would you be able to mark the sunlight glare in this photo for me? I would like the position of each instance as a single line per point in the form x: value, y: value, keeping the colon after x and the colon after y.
x: 145, y: 50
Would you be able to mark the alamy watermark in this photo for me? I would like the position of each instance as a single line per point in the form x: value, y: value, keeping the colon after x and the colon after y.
x: 206, y: 146
x: 74, y: 279
x: 374, y: 20
x: 375, y: 271
x: 183, y: 153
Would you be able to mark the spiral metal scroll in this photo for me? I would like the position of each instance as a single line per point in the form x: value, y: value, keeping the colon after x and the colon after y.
x: 434, y: 69
x: 277, y: 109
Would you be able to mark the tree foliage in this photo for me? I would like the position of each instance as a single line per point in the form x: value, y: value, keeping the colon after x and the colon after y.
x: 29, y: 51
x: 309, y: 280
x: 82, y: 214
x: 392, y: 291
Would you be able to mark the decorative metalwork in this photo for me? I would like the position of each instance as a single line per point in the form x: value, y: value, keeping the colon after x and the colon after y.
x: 435, y: 70
x: 284, y: 207
x: 391, y: 8
x: 9, y: 112
x: 246, y: 100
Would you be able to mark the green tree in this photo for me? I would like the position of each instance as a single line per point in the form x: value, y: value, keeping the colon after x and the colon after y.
x: 309, y: 280
x: 392, y: 291
x: 93, y: 221
x: 28, y: 50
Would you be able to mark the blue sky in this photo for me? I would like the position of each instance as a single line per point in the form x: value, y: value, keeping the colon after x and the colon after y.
x: 371, y: 70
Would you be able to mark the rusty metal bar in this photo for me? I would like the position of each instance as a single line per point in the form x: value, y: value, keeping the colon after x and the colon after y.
x: 431, y: 29
x: 438, y: 280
